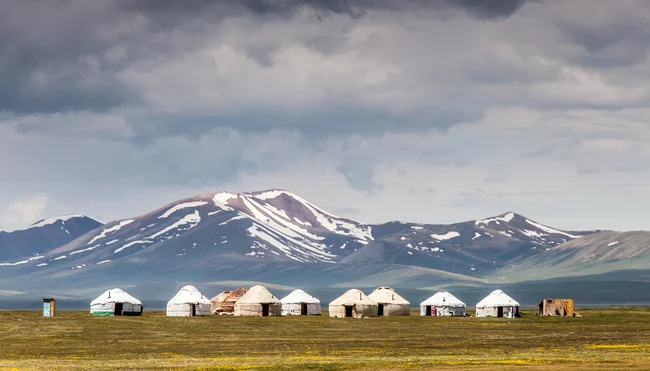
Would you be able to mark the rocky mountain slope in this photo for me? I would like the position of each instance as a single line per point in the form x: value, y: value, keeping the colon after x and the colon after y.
x: 595, y: 254
x: 43, y: 236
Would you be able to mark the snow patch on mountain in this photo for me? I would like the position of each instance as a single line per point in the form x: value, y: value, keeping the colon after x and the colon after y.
x: 110, y: 230
x: 505, y: 218
x: 139, y: 242
x: 533, y: 234
x: 446, y: 236
x: 271, y: 219
x: 238, y: 217
x: 84, y: 250
x: 328, y: 221
x: 182, y: 206
x: 22, y: 261
x: 549, y: 229
x: 191, y: 220
x: 221, y: 200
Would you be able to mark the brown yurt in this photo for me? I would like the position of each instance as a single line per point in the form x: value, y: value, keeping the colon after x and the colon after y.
x: 556, y: 307
x: 225, y: 304
x: 215, y: 303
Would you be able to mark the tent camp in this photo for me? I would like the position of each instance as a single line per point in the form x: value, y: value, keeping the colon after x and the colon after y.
x: 556, y: 307
x: 116, y: 302
x: 389, y: 303
x: 442, y: 303
x: 300, y: 303
x: 353, y: 303
x: 258, y: 302
x: 188, y: 302
x: 497, y: 304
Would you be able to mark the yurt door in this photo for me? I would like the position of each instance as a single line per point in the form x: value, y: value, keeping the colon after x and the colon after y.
x: 303, y: 309
x: 265, y: 310
x: 500, y: 312
x: 348, y: 311
x: 380, y: 310
x: 119, y: 308
x: 192, y: 310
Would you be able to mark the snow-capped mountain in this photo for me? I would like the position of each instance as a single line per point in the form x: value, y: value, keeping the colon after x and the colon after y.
x: 43, y: 236
x: 480, y: 244
x: 270, y: 226
x: 279, y: 226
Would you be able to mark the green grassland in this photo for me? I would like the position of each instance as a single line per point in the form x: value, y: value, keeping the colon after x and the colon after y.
x: 604, y: 339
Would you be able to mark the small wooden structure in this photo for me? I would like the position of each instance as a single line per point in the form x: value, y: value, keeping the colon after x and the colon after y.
x: 556, y: 307
x: 49, y: 307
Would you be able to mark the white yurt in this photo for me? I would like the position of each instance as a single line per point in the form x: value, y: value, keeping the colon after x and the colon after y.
x: 390, y: 303
x: 258, y: 302
x: 188, y: 302
x: 442, y: 303
x: 497, y: 304
x: 300, y: 303
x: 353, y: 304
x: 116, y: 302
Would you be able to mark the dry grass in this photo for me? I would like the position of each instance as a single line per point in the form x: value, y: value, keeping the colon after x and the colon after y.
x: 602, y: 340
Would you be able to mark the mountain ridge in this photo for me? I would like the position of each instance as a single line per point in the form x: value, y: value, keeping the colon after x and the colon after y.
x: 278, y: 237
x: 278, y: 225
x: 44, y: 235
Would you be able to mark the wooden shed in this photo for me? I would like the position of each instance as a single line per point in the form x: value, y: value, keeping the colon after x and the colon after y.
x: 556, y: 307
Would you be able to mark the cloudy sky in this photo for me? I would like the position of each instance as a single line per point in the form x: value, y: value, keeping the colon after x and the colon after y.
x: 426, y: 110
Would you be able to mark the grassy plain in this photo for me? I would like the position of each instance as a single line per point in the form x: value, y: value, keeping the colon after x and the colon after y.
x: 604, y: 339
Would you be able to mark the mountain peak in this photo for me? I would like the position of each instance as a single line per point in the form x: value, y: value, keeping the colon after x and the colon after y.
x: 44, y: 235
x: 55, y: 219
x: 502, y: 218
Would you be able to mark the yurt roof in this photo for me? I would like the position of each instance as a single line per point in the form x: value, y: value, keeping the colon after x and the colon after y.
x: 115, y: 296
x: 258, y: 295
x: 299, y: 296
x: 386, y: 295
x: 221, y: 296
x: 443, y: 299
x: 235, y: 295
x: 351, y: 297
x: 497, y: 298
x: 189, y: 295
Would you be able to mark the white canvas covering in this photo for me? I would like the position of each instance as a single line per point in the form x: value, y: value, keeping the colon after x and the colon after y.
x: 442, y: 303
x: 497, y: 304
x: 188, y: 302
x: 299, y: 303
x: 105, y: 304
x: 389, y: 302
x: 353, y: 303
x: 258, y: 302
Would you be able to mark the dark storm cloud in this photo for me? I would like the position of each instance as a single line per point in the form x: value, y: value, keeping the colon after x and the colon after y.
x: 66, y: 55
x: 615, y: 38
x: 168, y: 11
